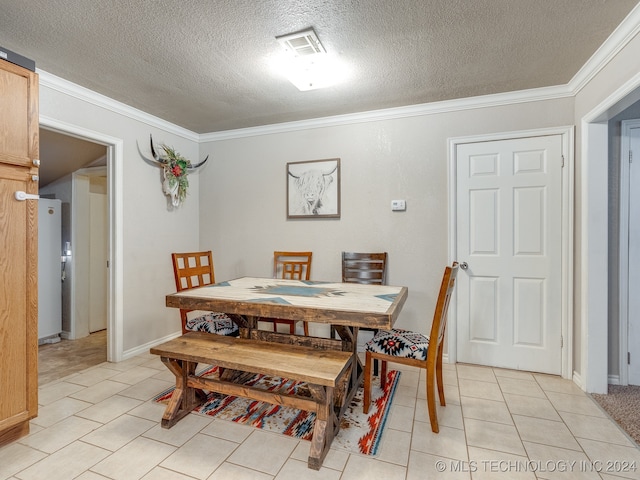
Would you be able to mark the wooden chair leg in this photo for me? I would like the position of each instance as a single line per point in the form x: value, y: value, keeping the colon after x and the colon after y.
x: 367, y: 383
x: 376, y: 361
x: 431, y: 399
x: 439, y: 377
x: 383, y: 374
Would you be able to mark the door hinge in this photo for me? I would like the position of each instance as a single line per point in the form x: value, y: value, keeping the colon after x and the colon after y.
x: 628, y: 358
x: 630, y: 156
x: 561, y: 341
x: 562, y: 161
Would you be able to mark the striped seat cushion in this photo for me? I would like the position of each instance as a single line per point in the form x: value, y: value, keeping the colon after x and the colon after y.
x: 399, y: 343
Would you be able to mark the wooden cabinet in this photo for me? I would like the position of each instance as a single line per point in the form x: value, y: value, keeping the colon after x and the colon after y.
x: 18, y: 250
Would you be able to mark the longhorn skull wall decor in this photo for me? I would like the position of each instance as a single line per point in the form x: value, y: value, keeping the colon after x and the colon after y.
x: 175, y: 170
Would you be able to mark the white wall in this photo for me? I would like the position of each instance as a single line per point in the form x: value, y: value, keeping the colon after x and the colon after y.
x: 242, y: 195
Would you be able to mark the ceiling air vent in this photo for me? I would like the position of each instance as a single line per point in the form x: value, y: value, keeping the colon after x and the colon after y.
x: 302, y: 44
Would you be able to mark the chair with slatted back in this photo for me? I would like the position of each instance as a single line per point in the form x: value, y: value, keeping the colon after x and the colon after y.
x: 415, y: 349
x: 366, y: 268
x: 369, y: 268
x: 195, y: 269
x: 294, y: 266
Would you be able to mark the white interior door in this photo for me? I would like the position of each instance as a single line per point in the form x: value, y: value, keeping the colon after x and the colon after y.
x: 633, y: 317
x: 509, y: 233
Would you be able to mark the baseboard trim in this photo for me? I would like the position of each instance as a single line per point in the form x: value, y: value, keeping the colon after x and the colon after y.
x: 145, y: 348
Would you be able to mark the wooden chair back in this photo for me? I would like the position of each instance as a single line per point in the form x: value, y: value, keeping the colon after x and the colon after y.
x: 191, y: 270
x: 369, y: 268
x: 439, y: 323
x: 292, y: 265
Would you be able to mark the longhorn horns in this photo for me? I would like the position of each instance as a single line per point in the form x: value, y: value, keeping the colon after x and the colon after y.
x: 163, y: 161
x: 323, y: 173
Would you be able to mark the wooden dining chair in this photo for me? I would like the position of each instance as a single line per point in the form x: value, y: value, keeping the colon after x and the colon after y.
x: 369, y: 268
x: 366, y: 268
x: 293, y: 266
x: 415, y: 349
x: 195, y: 269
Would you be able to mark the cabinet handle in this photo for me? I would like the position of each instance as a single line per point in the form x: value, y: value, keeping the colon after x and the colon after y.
x: 22, y: 196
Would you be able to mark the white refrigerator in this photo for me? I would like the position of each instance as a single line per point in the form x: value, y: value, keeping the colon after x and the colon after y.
x: 49, y: 270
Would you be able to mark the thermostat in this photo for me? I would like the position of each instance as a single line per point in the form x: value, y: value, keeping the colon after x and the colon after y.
x: 398, y: 205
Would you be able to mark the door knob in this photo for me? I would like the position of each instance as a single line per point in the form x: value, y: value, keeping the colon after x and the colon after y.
x: 464, y: 265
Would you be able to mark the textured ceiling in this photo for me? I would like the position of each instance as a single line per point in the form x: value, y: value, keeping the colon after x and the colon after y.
x: 206, y: 65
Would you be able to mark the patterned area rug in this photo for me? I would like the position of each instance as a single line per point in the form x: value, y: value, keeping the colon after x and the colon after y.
x: 358, y: 432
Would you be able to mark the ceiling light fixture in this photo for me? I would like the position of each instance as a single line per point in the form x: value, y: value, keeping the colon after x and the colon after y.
x: 307, y: 66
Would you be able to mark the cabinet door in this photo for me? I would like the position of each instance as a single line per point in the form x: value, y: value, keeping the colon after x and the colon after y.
x: 18, y: 244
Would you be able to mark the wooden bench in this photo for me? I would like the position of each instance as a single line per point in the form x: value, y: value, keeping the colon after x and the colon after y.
x: 320, y: 369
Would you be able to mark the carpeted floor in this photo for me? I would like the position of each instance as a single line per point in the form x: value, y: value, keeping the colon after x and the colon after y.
x: 622, y: 403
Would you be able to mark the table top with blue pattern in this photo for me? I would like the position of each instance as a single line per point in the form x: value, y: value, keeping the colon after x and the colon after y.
x: 370, y: 306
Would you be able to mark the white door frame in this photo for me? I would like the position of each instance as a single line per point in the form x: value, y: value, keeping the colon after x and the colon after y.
x: 115, y: 177
x: 623, y: 285
x: 567, y: 134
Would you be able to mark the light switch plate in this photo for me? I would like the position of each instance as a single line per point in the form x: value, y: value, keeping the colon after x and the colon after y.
x: 398, y: 205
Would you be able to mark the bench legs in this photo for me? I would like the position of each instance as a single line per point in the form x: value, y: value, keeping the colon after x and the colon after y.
x: 325, y: 427
x: 184, y: 398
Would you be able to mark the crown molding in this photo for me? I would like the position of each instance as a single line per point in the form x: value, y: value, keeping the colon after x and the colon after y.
x: 446, y: 106
x: 69, y: 88
x: 619, y: 38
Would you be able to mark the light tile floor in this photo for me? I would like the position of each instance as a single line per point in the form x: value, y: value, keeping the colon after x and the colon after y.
x: 100, y: 424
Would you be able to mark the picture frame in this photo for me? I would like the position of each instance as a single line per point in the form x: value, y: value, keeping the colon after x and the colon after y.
x: 313, y: 189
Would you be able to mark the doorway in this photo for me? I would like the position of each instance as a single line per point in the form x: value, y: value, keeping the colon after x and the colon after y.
x: 114, y: 262
x: 81, y: 239
x: 595, y: 222
x: 629, y: 303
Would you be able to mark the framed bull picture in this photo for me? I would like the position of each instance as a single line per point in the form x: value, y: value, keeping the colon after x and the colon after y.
x: 313, y: 189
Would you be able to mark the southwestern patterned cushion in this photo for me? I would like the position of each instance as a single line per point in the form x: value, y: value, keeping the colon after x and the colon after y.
x: 213, y: 322
x: 398, y: 342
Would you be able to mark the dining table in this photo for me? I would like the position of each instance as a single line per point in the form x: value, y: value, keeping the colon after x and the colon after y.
x: 346, y: 307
